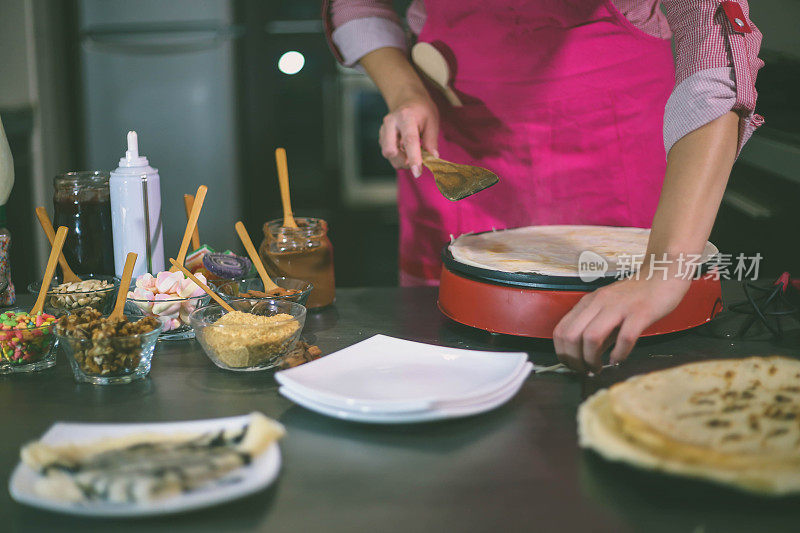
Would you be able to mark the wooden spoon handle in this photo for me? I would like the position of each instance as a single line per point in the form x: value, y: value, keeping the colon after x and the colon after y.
x: 188, y: 202
x: 47, y: 226
x: 124, y: 285
x: 199, y: 198
x: 269, y: 285
x: 452, y: 97
x: 433, y: 65
x: 58, y: 243
x: 283, y: 180
x: 202, y: 285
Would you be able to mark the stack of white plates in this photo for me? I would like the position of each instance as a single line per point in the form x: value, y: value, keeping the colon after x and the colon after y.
x: 384, y: 380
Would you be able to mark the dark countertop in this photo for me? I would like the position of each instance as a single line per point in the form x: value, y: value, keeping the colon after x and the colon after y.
x: 516, y: 468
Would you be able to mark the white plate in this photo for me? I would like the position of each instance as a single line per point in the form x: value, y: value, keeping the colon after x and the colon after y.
x: 487, y: 404
x: 241, y: 482
x: 468, y: 400
x: 388, y: 375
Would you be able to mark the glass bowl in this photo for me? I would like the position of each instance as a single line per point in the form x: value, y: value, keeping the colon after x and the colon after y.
x: 61, y: 301
x: 173, y: 313
x: 249, y: 347
x: 26, y: 349
x: 112, y: 360
x: 230, y: 289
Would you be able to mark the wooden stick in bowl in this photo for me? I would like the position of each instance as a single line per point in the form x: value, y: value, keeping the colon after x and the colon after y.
x: 188, y: 202
x: 125, y: 283
x: 199, y: 198
x: 202, y: 285
x: 47, y: 226
x: 269, y: 285
x: 58, y: 243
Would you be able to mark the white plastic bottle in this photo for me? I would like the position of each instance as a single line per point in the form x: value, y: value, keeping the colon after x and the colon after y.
x: 136, y: 212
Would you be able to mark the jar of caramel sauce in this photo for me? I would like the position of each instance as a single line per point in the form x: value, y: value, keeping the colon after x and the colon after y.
x: 303, y: 253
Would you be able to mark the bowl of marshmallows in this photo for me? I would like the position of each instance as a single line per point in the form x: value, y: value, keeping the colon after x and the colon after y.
x: 170, y: 297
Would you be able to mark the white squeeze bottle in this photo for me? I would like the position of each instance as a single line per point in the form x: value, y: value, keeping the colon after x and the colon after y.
x: 136, y: 212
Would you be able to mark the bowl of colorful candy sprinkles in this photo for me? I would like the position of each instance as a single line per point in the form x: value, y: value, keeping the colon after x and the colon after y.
x: 27, y: 342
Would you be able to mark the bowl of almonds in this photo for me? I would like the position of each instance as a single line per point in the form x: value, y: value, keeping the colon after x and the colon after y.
x: 95, y: 291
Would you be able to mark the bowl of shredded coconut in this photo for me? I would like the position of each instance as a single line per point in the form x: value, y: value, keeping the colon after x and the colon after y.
x: 256, y: 335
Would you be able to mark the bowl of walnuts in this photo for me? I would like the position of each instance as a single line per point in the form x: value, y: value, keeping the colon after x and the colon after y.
x: 103, y: 350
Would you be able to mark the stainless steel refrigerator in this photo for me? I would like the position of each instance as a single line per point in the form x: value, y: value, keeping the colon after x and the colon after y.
x: 166, y: 70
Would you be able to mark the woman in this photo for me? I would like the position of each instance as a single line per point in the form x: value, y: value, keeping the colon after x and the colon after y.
x: 579, y: 108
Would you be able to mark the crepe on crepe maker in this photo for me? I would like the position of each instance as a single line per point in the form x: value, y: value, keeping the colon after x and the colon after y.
x: 530, y: 304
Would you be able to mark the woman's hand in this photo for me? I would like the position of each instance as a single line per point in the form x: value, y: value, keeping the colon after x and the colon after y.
x: 616, y: 313
x: 698, y: 166
x: 412, y: 126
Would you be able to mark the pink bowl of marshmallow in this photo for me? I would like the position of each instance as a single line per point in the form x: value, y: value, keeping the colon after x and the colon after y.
x: 170, y: 297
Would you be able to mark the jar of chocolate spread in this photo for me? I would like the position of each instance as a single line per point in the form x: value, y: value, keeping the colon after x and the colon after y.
x: 303, y: 253
x: 81, y: 203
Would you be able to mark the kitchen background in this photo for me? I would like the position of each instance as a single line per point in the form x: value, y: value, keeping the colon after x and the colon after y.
x: 213, y: 86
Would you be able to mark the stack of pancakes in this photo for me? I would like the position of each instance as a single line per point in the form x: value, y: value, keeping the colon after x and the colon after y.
x: 733, y: 421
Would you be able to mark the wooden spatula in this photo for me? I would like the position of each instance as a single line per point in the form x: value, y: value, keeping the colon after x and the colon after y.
x: 269, y: 285
x: 124, y: 285
x: 188, y: 202
x: 47, y: 226
x: 214, y: 295
x: 455, y: 181
x: 199, y: 198
x: 58, y: 243
x: 283, y: 180
x: 434, y: 66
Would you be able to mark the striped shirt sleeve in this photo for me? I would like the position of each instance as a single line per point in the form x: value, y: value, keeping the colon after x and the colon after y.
x: 715, y: 53
x: 357, y: 27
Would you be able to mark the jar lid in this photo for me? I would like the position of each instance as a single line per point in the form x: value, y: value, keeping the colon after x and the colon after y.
x: 84, y: 178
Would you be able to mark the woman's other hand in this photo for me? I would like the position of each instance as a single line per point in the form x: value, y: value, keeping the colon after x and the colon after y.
x: 616, y: 314
x: 698, y: 166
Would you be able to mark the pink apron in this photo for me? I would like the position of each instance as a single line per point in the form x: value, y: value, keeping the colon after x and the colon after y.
x: 563, y: 99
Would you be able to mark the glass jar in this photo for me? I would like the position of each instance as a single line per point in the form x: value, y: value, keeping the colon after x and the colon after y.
x: 303, y: 253
x: 7, y: 294
x: 82, y: 203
